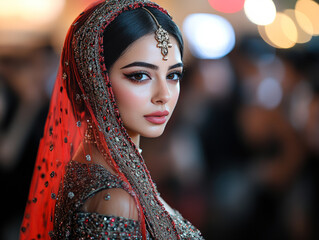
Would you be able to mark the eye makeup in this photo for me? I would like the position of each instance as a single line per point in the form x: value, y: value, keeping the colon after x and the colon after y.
x: 138, y: 76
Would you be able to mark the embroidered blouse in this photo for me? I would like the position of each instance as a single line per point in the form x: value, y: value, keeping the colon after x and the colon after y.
x: 82, y: 181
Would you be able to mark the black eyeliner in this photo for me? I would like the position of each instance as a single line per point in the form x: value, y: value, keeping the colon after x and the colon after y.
x: 130, y: 76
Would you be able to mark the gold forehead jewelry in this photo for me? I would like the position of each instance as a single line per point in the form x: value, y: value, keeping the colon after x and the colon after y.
x: 161, y: 36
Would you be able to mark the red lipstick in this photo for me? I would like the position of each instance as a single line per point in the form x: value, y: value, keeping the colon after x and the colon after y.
x: 157, y: 117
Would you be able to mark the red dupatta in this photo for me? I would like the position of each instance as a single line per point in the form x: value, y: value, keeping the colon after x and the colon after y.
x: 83, y: 92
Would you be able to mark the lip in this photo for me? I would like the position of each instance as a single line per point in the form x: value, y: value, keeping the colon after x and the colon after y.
x: 158, y: 117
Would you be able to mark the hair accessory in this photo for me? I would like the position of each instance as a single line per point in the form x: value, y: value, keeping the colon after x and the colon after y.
x: 161, y: 36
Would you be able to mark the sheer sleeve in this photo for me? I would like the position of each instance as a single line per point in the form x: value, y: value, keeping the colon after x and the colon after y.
x: 95, y: 203
x: 114, y: 197
x: 108, y: 208
x: 109, y: 214
x: 112, y: 202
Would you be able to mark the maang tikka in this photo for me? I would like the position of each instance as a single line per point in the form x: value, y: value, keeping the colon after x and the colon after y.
x: 161, y: 36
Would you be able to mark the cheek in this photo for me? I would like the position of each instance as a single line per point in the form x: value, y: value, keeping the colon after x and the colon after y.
x: 174, y: 95
x: 129, y: 99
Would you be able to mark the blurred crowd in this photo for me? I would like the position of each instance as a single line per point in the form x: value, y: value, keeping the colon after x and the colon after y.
x: 27, y: 76
x: 239, y: 158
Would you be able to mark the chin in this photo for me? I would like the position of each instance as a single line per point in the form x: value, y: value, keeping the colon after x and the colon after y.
x: 153, y: 133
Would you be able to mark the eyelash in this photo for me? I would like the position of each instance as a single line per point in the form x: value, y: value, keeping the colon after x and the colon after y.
x: 132, y: 76
x: 179, y: 75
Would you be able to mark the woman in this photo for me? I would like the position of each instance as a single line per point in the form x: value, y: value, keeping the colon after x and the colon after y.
x: 119, y: 79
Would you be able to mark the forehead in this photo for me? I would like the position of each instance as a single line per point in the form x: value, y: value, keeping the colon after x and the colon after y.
x: 145, y: 49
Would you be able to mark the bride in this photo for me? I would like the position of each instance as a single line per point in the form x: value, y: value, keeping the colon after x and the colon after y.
x: 119, y: 79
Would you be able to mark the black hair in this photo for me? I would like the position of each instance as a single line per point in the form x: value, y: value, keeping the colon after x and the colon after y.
x: 131, y: 25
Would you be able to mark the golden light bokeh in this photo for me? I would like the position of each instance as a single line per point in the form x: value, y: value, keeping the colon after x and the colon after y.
x: 288, y: 27
x: 311, y: 10
x: 282, y: 32
x: 303, y: 36
x: 263, y: 34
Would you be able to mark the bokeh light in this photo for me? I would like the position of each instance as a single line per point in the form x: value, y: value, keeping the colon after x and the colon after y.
x: 209, y: 36
x: 289, y: 28
x: 303, y: 36
x: 311, y: 10
x: 36, y: 12
x: 269, y: 93
x: 263, y: 34
x: 282, y: 33
x: 227, y: 6
x: 261, y: 12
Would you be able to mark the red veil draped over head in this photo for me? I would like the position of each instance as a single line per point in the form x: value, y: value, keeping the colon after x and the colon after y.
x: 83, y: 100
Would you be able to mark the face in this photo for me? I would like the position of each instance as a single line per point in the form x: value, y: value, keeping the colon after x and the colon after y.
x: 146, y: 87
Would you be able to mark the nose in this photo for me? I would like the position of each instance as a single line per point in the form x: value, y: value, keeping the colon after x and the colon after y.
x: 161, y: 93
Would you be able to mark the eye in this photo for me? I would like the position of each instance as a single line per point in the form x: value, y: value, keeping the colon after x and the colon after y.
x: 138, y: 76
x: 175, y: 76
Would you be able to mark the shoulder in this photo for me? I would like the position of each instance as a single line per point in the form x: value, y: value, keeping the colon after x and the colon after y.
x: 112, y: 202
x: 103, y: 192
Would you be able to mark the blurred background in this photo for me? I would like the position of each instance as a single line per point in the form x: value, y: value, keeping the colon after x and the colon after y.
x: 240, y: 156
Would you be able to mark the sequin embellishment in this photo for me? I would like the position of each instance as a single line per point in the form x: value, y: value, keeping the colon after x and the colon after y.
x: 105, y: 227
x: 71, y: 195
x: 88, y: 158
x: 107, y: 197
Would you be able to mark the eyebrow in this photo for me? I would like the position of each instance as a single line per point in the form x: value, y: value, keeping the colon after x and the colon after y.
x: 151, y: 66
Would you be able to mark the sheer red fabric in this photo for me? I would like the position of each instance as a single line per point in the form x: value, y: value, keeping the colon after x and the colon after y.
x: 82, y: 98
